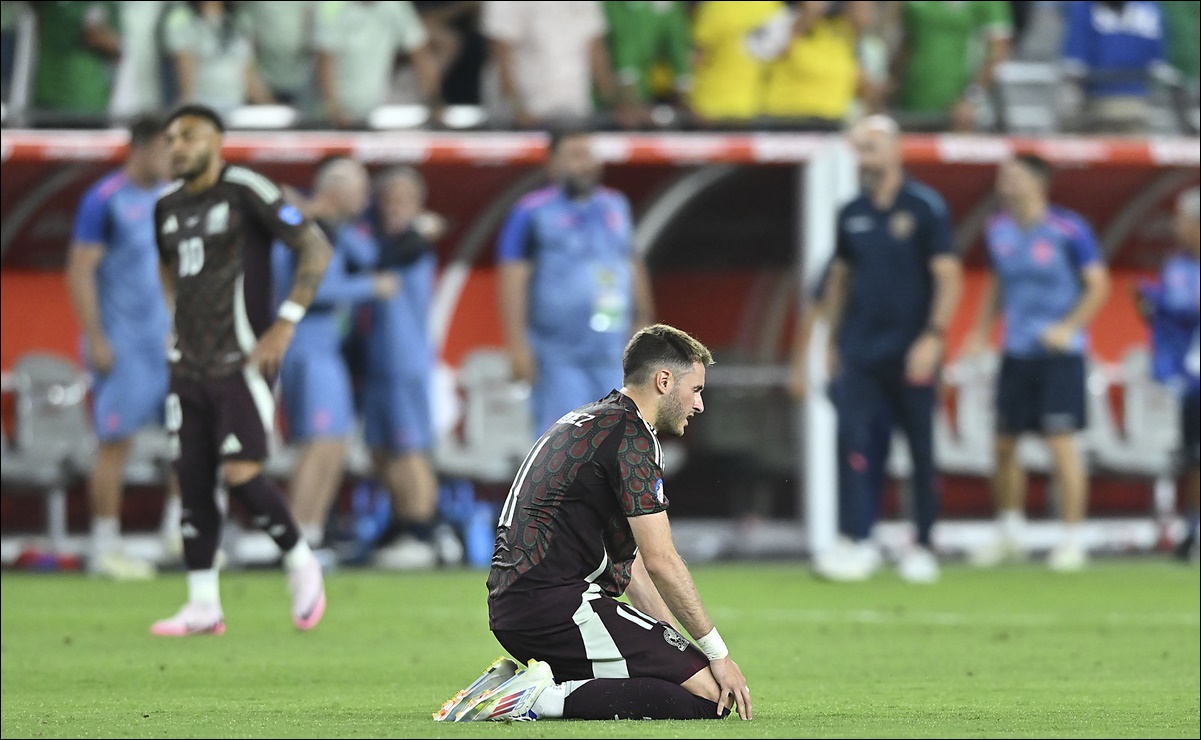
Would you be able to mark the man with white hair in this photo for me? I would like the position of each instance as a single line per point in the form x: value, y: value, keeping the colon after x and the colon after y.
x: 1172, y: 307
x: 316, y: 385
x: 892, y: 289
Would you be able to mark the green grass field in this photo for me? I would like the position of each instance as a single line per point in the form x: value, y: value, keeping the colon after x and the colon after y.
x: 1015, y: 652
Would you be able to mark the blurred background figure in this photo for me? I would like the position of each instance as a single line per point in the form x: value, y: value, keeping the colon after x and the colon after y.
x: 650, y: 45
x: 79, y: 44
x: 112, y: 273
x: 317, y: 394
x: 814, y: 83
x: 210, y: 48
x: 359, y: 45
x: 457, y: 46
x: 1048, y: 281
x: 732, y: 44
x: 1111, y: 53
x: 396, y: 391
x: 282, y: 34
x: 137, y: 84
x: 894, y: 286
x: 548, y: 57
x: 944, y: 66
x: 1172, y: 307
x: 572, y: 288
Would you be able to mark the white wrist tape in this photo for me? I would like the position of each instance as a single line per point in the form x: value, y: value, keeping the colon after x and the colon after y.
x: 713, y: 646
x: 291, y: 311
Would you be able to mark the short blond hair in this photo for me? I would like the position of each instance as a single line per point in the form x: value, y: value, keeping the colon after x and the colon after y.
x: 658, y: 346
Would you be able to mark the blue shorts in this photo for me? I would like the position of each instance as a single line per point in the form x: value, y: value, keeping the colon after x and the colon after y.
x: 396, y: 414
x: 562, y: 387
x: 317, y: 396
x: 1044, y: 395
x: 131, y: 395
x: 1190, y: 428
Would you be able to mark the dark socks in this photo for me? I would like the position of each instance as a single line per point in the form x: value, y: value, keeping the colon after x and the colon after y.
x: 637, y: 698
x: 266, y: 503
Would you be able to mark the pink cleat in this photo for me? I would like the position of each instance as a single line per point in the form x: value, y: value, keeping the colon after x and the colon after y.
x: 308, y: 594
x: 195, y: 618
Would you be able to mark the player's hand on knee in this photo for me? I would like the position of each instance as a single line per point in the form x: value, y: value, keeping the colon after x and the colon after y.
x: 732, y: 687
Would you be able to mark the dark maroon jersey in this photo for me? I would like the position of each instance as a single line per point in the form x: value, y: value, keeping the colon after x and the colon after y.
x: 563, y: 531
x: 217, y: 244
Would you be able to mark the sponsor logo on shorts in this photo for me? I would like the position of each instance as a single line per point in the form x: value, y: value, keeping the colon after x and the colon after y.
x: 675, y: 639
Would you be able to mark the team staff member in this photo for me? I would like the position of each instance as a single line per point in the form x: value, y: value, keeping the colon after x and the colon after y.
x: 893, y: 288
x: 1049, y: 280
x: 215, y: 227
x: 572, y: 288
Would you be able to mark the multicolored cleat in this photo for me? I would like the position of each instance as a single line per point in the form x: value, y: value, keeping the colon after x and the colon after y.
x: 511, y: 701
x: 501, y: 670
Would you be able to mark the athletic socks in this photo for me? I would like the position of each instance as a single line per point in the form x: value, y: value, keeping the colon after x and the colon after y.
x: 266, y: 503
x: 1011, y: 523
x: 631, y: 698
x: 106, y: 535
x: 202, y: 587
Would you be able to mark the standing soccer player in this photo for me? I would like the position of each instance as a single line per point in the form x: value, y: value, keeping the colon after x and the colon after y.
x: 215, y: 228
x: 112, y: 273
x: 1049, y: 280
x: 893, y: 288
x: 585, y: 521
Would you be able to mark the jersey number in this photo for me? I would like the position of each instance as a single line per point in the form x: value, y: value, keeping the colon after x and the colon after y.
x: 191, y: 256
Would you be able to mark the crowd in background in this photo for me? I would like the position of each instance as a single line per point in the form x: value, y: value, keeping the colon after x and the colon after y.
x: 623, y: 65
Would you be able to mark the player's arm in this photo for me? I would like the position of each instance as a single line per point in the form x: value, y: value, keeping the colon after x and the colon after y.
x: 1096, y: 289
x: 1094, y: 276
x: 643, y: 594
x: 83, y: 259
x: 514, y: 256
x: 644, y: 298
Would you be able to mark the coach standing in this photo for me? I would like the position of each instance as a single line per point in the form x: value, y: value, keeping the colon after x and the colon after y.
x: 893, y: 287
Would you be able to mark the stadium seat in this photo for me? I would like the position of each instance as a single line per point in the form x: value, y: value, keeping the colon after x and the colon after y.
x: 262, y: 117
x: 497, y: 430
x: 52, y: 435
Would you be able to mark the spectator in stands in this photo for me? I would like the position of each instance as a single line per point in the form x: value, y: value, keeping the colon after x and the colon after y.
x: 1180, y: 22
x: 283, y: 48
x: 893, y: 288
x: 650, y: 46
x: 814, y: 82
x: 396, y: 392
x: 458, y: 47
x: 317, y: 393
x: 137, y: 87
x: 572, y: 288
x: 548, y: 57
x: 358, y: 47
x: 732, y: 44
x: 78, y: 46
x: 1172, y: 307
x: 11, y: 14
x: 1049, y: 280
x: 1111, y: 50
x: 941, y: 77
x: 211, y: 51
x: 112, y: 274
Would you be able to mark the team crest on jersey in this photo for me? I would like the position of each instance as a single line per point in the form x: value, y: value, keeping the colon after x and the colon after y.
x: 901, y: 225
x: 171, y: 225
x: 1042, y: 251
x: 675, y: 639
x: 217, y: 220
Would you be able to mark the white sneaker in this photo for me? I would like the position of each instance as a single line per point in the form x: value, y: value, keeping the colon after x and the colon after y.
x: 1000, y: 550
x: 513, y: 700
x: 1067, y: 557
x: 121, y: 567
x: 447, y: 545
x: 195, y: 618
x: 847, y: 560
x: 407, y: 553
x: 918, y: 565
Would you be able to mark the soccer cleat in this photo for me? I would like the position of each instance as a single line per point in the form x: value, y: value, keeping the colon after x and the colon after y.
x: 918, y: 565
x: 847, y: 560
x: 513, y: 700
x: 1067, y: 557
x: 195, y: 618
x: 501, y: 670
x: 120, y: 567
x: 1000, y: 550
x: 308, y: 594
x: 407, y: 553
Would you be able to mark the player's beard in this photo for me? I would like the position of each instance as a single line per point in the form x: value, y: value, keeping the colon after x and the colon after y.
x: 199, y: 166
x: 579, y: 186
x: 672, y: 415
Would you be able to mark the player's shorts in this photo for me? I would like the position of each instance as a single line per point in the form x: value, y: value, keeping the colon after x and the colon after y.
x: 220, y: 419
x: 608, y: 639
x: 397, y: 415
x: 129, y: 396
x: 316, y: 395
x: 1045, y: 395
x: 1190, y: 428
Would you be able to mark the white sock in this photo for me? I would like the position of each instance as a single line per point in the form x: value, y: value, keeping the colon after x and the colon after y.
x: 106, y: 535
x: 202, y: 587
x: 299, y: 555
x: 1011, y: 522
x: 314, y: 534
x: 1072, y: 535
x: 549, y: 703
x: 172, y: 511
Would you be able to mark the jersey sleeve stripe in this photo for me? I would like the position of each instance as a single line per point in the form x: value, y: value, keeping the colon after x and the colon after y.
x: 261, y: 186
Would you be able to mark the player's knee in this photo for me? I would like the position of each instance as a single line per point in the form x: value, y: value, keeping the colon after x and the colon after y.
x: 237, y: 472
x: 703, y: 684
